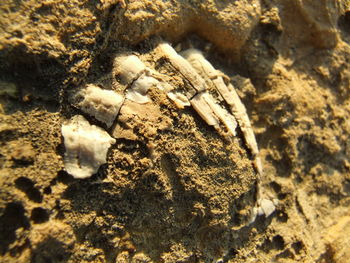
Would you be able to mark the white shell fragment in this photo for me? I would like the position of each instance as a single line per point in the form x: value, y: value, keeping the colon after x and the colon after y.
x: 202, y: 107
x: 201, y: 101
x: 139, y: 88
x: 207, y: 71
x: 227, y: 119
x: 102, y: 104
x: 199, y: 63
x: 267, y: 206
x: 263, y: 207
x: 238, y: 110
x: 179, y: 99
x: 128, y: 67
x: 212, y: 113
x: 183, y: 66
x: 86, y: 147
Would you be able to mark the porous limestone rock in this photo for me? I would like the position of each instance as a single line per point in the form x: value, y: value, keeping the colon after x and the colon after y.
x: 86, y: 147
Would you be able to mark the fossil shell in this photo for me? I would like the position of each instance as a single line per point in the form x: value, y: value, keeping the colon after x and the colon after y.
x: 128, y: 67
x: 179, y: 99
x: 183, y: 66
x: 229, y: 94
x: 267, y: 206
x: 104, y: 105
x: 139, y: 88
x: 86, y: 147
x: 182, y: 82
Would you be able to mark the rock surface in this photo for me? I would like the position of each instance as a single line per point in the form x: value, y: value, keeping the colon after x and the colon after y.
x: 173, y: 189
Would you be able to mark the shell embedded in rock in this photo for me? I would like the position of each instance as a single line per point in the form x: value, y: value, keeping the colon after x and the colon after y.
x: 102, y: 104
x: 183, y: 66
x: 86, y: 147
x: 128, y: 67
x: 138, y: 90
x: 208, y: 72
x: 167, y: 145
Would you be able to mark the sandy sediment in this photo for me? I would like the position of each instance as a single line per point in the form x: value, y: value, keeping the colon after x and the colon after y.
x: 173, y: 188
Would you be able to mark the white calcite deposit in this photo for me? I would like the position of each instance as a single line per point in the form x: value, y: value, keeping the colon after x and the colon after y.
x: 102, y: 104
x: 86, y: 147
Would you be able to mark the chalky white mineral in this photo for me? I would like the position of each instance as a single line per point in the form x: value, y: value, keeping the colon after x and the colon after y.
x: 102, y: 104
x: 86, y: 147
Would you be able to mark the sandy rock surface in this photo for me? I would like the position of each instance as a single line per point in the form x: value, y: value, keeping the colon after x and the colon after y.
x: 173, y: 188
